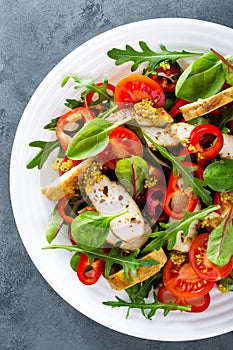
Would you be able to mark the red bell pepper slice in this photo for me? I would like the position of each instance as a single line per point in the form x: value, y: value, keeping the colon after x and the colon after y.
x: 89, y: 273
x: 80, y: 113
x: 62, y: 207
x: 182, y: 199
x: 174, y: 111
x: 198, y: 304
x: 163, y: 77
x: 206, y: 141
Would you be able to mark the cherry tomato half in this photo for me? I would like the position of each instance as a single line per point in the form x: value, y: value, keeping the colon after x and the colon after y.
x: 89, y: 274
x: 203, y: 267
x: 198, y: 304
x: 182, y: 281
x: 122, y: 144
x: 136, y: 87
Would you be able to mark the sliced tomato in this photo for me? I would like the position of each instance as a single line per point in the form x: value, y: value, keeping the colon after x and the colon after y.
x: 123, y: 143
x: 136, y: 87
x: 198, y: 304
x: 182, y: 281
x: 79, y: 114
x: 203, y: 267
x: 89, y: 273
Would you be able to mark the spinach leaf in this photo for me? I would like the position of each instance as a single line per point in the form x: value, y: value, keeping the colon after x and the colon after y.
x: 220, y: 242
x: 171, y: 229
x: 219, y: 175
x: 54, y: 224
x: 227, y: 66
x: 132, y: 173
x: 129, y: 263
x: 202, y: 79
x: 91, y: 139
x: 129, y: 54
x: 47, y: 147
x: 91, y: 228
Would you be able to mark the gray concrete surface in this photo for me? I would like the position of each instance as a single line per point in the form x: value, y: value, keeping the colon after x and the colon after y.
x: 34, y: 36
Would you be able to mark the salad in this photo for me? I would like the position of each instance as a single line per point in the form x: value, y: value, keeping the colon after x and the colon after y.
x: 144, y: 187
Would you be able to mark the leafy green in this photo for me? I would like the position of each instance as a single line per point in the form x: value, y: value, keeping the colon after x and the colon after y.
x: 54, y: 224
x: 72, y: 103
x: 129, y: 263
x: 129, y: 54
x: 185, y: 171
x: 170, y: 230
x: 47, y: 147
x: 227, y: 282
x: 91, y: 228
x: 202, y: 79
x: 143, y: 306
x: 91, y: 139
x: 132, y: 173
x: 219, y: 175
x: 52, y: 125
x: 101, y: 91
x: 220, y: 242
x: 227, y: 62
x: 138, y: 292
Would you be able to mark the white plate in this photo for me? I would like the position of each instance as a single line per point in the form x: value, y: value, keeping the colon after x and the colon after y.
x: 31, y: 209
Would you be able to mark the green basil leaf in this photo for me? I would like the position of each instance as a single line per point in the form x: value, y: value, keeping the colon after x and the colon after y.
x: 220, y: 242
x: 54, y: 224
x: 91, y: 139
x: 202, y: 79
x: 219, y: 175
x: 91, y: 228
x: 132, y: 173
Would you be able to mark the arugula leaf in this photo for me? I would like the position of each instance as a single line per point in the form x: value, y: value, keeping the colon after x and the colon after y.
x: 147, y: 55
x: 72, y: 103
x: 89, y: 86
x: 54, y: 225
x: 219, y: 175
x: 202, y: 79
x: 47, y: 147
x: 220, y: 242
x: 138, y: 292
x: 132, y: 173
x: 171, y: 229
x: 91, y: 228
x: 143, y: 306
x: 52, y: 125
x: 129, y: 263
x: 185, y: 171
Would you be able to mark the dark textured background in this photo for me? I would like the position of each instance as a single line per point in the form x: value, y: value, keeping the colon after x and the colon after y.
x: 34, y: 36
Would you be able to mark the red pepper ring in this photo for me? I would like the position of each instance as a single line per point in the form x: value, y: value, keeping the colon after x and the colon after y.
x: 183, y: 199
x: 198, y: 304
x: 79, y: 113
x: 89, y: 273
x: 61, y: 207
x: 200, y: 138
